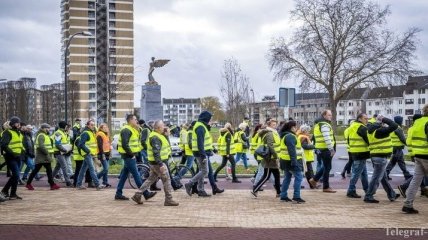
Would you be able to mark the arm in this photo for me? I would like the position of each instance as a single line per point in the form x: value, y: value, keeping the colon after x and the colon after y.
x: 144, y: 135
x: 42, y: 148
x: 5, y: 142
x: 362, y: 132
x: 156, y: 147
x: 270, y: 144
x: 228, y: 139
x: 325, y: 130
x: 400, y: 135
x: 100, y: 145
x: 290, y: 142
x: 83, y: 139
x: 58, y: 143
x: 125, y: 134
x: 306, y: 145
x: 384, y: 132
x: 200, y: 139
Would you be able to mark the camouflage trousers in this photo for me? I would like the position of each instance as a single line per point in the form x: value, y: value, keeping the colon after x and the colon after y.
x: 156, y: 173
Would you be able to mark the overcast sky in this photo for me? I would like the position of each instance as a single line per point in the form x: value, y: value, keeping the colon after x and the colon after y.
x: 197, y: 35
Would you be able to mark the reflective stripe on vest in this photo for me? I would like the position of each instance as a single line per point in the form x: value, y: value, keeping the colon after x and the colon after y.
x: 76, y: 153
x: 409, y: 141
x: 308, y: 153
x: 15, y: 143
x: 379, y: 146
x: 356, y: 142
x: 419, y: 137
x: 208, y: 141
x: 134, y: 141
x: 47, y: 142
x: 319, y: 138
x: 65, y: 140
x: 284, y: 154
x: 91, y: 144
x: 276, y: 142
x: 395, y: 140
x: 165, y: 148
x: 106, y: 141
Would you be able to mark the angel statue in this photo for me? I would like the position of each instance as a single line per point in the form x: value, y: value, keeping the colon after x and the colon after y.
x: 155, y: 64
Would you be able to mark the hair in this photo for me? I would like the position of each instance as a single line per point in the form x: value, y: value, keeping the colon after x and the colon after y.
x: 102, y: 125
x: 375, y: 115
x: 425, y: 110
x: 256, y: 129
x: 360, y: 115
x: 305, y: 128
x: 227, y: 125
x: 288, y: 125
x: 323, y: 113
x: 129, y: 117
x: 156, y: 124
x: 242, y: 126
x: 89, y: 121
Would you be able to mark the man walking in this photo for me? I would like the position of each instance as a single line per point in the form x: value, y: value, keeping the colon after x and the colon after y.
x: 398, y: 143
x: 62, y: 151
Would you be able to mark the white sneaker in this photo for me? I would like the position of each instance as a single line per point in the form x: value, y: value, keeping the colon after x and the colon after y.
x: 100, y: 186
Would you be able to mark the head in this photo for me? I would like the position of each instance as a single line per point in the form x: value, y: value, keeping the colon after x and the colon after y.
x: 29, y: 128
x: 398, y: 120
x: 205, y: 117
x: 272, y: 123
x: 185, y: 126
x: 228, y: 126
x: 78, y: 121
x: 290, y: 126
x: 425, y: 110
x: 141, y: 122
x: 242, y: 126
x: 131, y: 119
x: 103, y: 127
x: 23, y: 127
x: 305, y: 129
x: 62, y: 125
x: 375, y: 116
x: 327, y: 115
x: 45, y: 128
x: 159, y: 126
x: 15, y: 122
x: 363, y: 118
x: 192, y: 124
x: 91, y: 125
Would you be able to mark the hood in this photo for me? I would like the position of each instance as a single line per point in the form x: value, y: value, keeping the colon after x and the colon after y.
x: 398, y: 120
x: 371, y: 127
x: 205, y: 117
x: 263, y: 132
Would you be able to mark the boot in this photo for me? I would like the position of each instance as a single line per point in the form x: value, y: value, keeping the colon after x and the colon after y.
x: 217, y: 190
x: 424, y: 192
x: 153, y: 187
x: 170, y: 202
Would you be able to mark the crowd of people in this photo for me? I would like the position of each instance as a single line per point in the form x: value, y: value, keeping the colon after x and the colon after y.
x: 284, y: 147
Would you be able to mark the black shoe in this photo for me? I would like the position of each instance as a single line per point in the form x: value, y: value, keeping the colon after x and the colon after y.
x: 402, y: 191
x: 121, y: 197
x: 72, y: 176
x: 15, y: 197
x: 353, y: 195
x: 236, y: 181
x: 254, y: 193
x: 299, y: 200
x: 397, y: 195
x: 69, y: 184
x: 154, y: 188
x: 188, y: 187
x: 217, y: 190
x: 343, y: 175
x: 107, y: 185
x: 5, y: 195
x: 203, y: 194
x: 302, y: 187
x: 176, y: 187
x: 286, y: 199
x: 409, y: 210
x: 149, y: 195
x: 38, y: 178
x: 389, y: 178
x: 91, y: 185
x: 371, y: 201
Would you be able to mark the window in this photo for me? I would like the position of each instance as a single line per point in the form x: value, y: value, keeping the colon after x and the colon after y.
x: 421, y: 100
x: 112, y: 51
x: 377, y: 112
x: 409, y: 111
x: 182, y: 111
x: 421, y: 91
x: 91, y: 69
x: 91, y: 59
x: 350, y: 113
x: 409, y: 101
x: 389, y: 111
x: 197, y: 111
x: 409, y: 91
x: 91, y: 41
x: 92, y: 87
x: 91, y: 5
x: 112, y: 15
x: 308, y: 105
x: 113, y: 114
x: 91, y: 50
x: 376, y: 103
x: 341, y: 113
x: 91, y: 78
x: 112, y: 60
x: 92, y: 31
x: 350, y: 104
x: 400, y: 111
x: 370, y: 112
x: 112, y: 6
x: 91, y: 96
x: 91, y: 23
x: 91, y: 105
x: 111, y: 24
x: 112, y: 33
x: 91, y: 14
x: 340, y: 104
x: 400, y: 102
x: 370, y: 103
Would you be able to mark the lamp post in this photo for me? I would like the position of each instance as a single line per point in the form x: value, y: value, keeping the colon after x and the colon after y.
x: 253, y: 108
x: 84, y: 33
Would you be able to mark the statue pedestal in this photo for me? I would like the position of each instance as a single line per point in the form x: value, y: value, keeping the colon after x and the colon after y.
x: 151, y: 103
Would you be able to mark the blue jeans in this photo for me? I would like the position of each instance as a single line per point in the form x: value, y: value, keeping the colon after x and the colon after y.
x: 144, y: 156
x: 298, y: 178
x: 88, y: 163
x: 12, y: 183
x: 104, y: 172
x: 129, y: 166
x: 30, y: 166
x: 379, y: 175
x: 324, y: 173
x: 243, y: 156
x: 359, y: 168
x: 183, y: 171
x: 211, y: 175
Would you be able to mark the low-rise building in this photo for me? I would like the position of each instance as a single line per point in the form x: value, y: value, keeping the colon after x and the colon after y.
x: 181, y: 110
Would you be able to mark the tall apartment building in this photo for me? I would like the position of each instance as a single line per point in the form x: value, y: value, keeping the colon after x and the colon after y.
x: 101, y: 66
x: 181, y: 110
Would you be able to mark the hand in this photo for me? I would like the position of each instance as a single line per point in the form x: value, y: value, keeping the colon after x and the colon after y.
x: 332, y: 152
x: 163, y: 169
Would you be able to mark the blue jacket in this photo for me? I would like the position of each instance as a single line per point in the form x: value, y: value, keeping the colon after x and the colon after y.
x: 204, y: 118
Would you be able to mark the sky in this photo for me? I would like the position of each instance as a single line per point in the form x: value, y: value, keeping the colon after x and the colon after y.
x: 196, y: 35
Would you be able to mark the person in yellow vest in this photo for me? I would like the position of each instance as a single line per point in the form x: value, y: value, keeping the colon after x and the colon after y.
x: 227, y: 150
x: 358, y: 149
x: 12, y: 147
x: 158, y: 152
x: 104, y: 149
x: 325, y: 143
x: 373, y: 119
x: 89, y: 150
x: 202, y: 148
x: 188, y: 153
x: 255, y: 142
x: 271, y: 140
x: 419, y: 142
x: 291, y: 153
x: 145, y: 131
x: 241, y: 145
x: 348, y: 166
x: 62, y: 151
x: 44, y: 156
x: 380, y: 146
x: 183, y: 140
x: 5, y: 127
x: 398, y: 144
x: 308, y: 151
x: 129, y: 146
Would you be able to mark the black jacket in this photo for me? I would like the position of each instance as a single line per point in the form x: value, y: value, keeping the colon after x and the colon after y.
x: 204, y: 118
x: 382, y: 132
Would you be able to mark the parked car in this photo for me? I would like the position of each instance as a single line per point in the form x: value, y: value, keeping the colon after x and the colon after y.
x: 176, y: 150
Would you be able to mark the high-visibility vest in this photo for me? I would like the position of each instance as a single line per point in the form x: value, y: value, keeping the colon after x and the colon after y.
x: 276, y: 142
x: 308, y: 153
x: 346, y: 135
x: 15, y: 143
x: 222, y: 144
x: 76, y: 154
x: 141, y: 135
x: 208, y: 140
x: 356, y: 142
x: 134, y: 141
x: 165, y: 148
x: 319, y: 138
x: 254, y: 143
x: 187, y: 149
x: 379, y: 146
x: 372, y: 120
x: 409, y: 141
x: 239, y: 143
x: 47, y: 142
x: 419, y: 137
x: 106, y: 141
x: 395, y: 140
x: 284, y: 154
x: 183, y: 139
x: 91, y: 144
x: 65, y: 139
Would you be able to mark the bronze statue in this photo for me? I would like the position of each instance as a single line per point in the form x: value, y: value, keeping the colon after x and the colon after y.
x: 155, y: 64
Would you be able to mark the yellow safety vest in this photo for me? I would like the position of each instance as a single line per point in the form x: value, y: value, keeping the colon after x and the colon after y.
x: 239, y: 143
x: 76, y: 153
x: 134, y: 141
x: 183, y: 139
x: 284, y: 154
x: 15, y: 143
x: 65, y: 139
x: 208, y: 140
x: 276, y: 142
x: 91, y: 144
x: 409, y: 141
x: 47, y: 142
x: 379, y: 146
x: 165, y: 148
x: 187, y: 149
x: 308, y: 153
x: 222, y: 144
x: 319, y: 139
x: 355, y: 142
x: 419, y: 137
x: 346, y: 135
x: 395, y: 140
x: 254, y: 143
x: 372, y: 120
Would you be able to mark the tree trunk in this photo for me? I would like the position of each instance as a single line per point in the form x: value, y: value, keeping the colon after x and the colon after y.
x: 333, y: 105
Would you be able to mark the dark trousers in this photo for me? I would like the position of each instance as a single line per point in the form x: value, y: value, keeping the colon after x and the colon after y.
x: 310, y: 172
x: 36, y: 170
x: 266, y: 175
x: 326, y: 159
x: 12, y: 184
x: 77, y: 171
x: 348, y: 166
x: 398, y: 158
x: 231, y: 159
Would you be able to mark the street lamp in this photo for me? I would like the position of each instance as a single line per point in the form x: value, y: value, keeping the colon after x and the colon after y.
x: 253, y: 108
x: 84, y: 33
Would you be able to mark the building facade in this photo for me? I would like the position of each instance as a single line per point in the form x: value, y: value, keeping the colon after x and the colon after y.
x: 101, y: 66
x: 351, y: 105
x: 267, y: 108
x: 308, y: 107
x: 181, y: 110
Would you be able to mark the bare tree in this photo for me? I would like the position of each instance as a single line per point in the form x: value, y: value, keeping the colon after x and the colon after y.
x: 340, y: 45
x: 235, y: 89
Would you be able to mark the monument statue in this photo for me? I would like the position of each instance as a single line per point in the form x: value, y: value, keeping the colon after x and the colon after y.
x: 155, y: 64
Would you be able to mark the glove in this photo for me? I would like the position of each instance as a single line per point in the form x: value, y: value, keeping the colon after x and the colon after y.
x: 215, y: 150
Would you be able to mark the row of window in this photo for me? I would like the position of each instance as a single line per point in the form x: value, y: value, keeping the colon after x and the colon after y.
x: 111, y: 6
